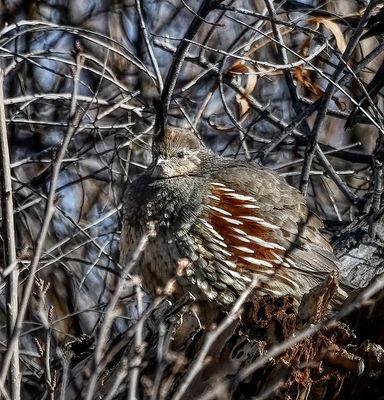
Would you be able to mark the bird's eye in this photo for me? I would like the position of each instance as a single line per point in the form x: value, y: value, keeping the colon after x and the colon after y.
x: 180, y: 154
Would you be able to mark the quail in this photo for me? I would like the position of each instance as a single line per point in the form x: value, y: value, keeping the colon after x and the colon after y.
x: 218, y: 223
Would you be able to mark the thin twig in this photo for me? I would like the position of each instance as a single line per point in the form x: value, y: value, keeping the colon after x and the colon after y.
x: 119, y: 378
x: 281, y: 49
x: 49, y: 211
x: 139, y: 348
x: 335, y: 176
x: 328, y: 94
x: 9, y: 248
x: 148, y: 45
x: 211, y: 337
x: 173, y: 73
x: 65, y: 362
x: 110, y: 314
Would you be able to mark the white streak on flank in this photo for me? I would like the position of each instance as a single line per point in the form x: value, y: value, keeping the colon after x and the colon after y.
x: 244, y: 249
x: 239, y: 231
x: 342, y: 292
x: 286, y: 265
x: 260, y: 221
x: 276, y: 293
x: 280, y: 260
x: 220, y: 210
x: 230, y: 264
x: 249, y: 206
x: 232, y: 221
x: 241, y: 197
x: 241, y: 238
x: 219, y: 242
x: 227, y: 253
x: 215, y: 248
x: 265, y: 244
x: 236, y: 274
x: 290, y: 262
x: 211, y: 229
x: 211, y: 196
x: 217, y: 235
x: 256, y: 261
x: 224, y: 189
x: 268, y: 225
x: 252, y: 218
x: 265, y: 273
x: 288, y: 280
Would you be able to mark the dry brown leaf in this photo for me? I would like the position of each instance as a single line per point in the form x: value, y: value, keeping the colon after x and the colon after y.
x: 304, y: 50
x: 334, y: 28
x: 240, y: 68
x: 237, y: 69
x: 302, y: 76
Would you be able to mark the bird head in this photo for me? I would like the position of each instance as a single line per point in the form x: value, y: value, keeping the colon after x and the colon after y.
x: 175, y: 154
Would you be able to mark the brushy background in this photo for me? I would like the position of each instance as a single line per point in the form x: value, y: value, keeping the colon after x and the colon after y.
x: 273, y: 82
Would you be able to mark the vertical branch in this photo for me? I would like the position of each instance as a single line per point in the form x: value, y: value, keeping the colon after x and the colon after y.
x: 9, y: 246
x: 282, y: 52
x: 110, y: 315
x: 139, y: 348
x: 74, y: 119
x: 173, y: 73
x: 148, y: 45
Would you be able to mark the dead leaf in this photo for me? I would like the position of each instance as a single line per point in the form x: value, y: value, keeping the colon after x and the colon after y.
x: 334, y: 28
x: 302, y: 77
x: 304, y: 50
x: 249, y: 73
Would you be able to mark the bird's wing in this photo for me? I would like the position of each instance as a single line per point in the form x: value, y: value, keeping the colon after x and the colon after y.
x: 262, y: 224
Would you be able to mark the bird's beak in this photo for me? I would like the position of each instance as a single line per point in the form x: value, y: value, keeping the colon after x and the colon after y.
x: 158, y: 167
